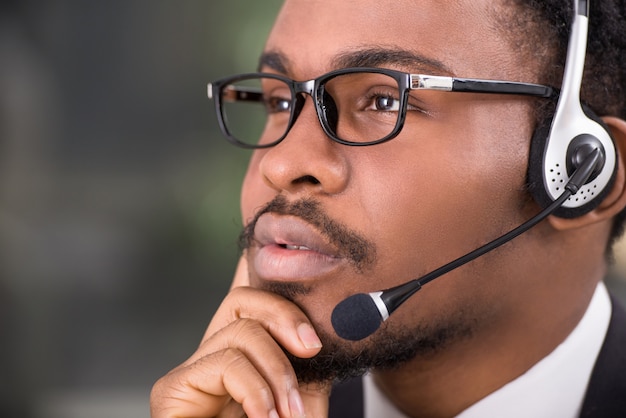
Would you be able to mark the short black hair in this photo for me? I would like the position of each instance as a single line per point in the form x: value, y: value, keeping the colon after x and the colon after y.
x: 604, y: 80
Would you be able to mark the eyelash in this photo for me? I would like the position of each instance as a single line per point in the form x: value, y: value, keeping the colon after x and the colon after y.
x: 410, y: 107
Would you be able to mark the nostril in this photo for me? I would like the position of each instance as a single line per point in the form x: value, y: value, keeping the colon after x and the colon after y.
x: 306, y: 179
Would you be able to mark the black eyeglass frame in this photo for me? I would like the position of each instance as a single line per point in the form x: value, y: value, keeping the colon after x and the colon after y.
x: 315, y: 89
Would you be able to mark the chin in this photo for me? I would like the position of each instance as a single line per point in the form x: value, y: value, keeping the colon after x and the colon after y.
x: 391, y: 346
x: 387, y: 349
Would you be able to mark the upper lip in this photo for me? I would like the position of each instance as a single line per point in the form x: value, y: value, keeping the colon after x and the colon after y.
x: 272, y: 229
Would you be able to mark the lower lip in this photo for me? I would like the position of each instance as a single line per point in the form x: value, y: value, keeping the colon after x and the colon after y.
x: 274, y: 262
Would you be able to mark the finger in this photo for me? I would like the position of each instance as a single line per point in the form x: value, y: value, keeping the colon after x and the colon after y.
x: 279, y: 317
x: 315, y: 398
x: 241, y: 277
x: 255, y: 322
x: 203, y: 388
x: 264, y: 354
x: 232, y: 410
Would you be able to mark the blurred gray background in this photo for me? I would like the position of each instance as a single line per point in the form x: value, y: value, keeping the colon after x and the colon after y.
x: 119, y: 207
x: 118, y: 197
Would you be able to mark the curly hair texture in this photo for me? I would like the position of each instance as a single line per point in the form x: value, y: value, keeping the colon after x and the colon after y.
x: 543, y: 29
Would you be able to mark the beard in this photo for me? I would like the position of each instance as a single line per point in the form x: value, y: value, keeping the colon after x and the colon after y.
x: 387, y: 349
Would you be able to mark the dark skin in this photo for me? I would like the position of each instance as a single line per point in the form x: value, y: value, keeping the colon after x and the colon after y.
x: 422, y: 199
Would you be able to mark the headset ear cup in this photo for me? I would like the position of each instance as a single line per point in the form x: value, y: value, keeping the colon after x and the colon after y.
x: 536, y: 169
x: 535, y: 163
x: 594, y: 117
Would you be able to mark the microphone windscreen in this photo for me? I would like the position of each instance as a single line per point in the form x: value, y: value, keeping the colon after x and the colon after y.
x: 356, y: 317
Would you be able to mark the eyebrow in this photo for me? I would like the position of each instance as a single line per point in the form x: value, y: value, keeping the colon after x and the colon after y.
x: 363, y: 57
x: 274, y: 60
x: 378, y: 56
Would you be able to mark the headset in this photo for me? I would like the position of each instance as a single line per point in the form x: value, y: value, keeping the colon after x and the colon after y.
x: 560, y: 144
x: 572, y: 165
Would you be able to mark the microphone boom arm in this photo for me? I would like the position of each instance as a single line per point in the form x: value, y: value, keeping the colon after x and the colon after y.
x: 360, y: 315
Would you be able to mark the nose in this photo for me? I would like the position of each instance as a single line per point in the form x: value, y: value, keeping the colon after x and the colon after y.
x: 306, y: 161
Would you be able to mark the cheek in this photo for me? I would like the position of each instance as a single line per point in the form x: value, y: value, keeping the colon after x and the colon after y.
x: 254, y: 191
x: 427, y: 205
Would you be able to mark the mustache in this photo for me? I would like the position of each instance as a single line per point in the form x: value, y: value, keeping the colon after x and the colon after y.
x: 351, y: 245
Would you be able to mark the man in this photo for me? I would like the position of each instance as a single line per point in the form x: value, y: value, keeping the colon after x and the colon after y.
x: 516, y: 331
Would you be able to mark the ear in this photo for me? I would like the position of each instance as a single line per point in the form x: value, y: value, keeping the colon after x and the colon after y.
x: 615, y: 200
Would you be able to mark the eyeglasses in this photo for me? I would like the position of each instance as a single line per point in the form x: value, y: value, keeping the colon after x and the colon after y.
x: 355, y: 106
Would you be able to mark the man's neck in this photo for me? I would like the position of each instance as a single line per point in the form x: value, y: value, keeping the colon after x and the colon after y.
x: 458, y: 376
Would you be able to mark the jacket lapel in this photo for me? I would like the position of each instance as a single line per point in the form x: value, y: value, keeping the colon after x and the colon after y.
x: 606, y: 393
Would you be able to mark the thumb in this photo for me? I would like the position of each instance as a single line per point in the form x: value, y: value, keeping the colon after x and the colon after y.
x: 241, y: 277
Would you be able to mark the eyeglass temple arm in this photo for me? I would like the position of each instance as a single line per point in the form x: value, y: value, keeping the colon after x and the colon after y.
x: 237, y: 94
x: 418, y: 82
x: 428, y: 82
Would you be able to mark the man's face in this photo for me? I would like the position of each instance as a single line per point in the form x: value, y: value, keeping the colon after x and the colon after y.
x: 347, y: 220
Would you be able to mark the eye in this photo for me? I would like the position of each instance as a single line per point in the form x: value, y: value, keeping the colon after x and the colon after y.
x: 383, y: 102
x: 387, y: 103
x: 278, y: 104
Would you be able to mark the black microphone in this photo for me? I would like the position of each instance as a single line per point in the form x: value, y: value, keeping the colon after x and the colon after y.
x: 360, y: 315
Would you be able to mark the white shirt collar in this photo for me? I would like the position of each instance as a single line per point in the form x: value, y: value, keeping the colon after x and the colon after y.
x: 555, y: 386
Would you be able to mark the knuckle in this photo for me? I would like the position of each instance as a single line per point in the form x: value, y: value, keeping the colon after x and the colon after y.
x: 245, y: 332
x: 235, y: 365
x: 230, y: 357
x: 235, y: 359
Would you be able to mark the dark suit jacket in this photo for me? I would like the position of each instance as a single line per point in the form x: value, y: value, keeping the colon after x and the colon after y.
x: 605, y: 397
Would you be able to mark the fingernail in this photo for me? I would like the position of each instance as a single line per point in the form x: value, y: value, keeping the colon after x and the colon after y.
x: 296, y: 406
x: 274, y: 414
x: 308, y: 336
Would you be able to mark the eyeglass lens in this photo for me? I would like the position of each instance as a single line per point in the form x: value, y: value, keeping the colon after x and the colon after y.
x: 355, y: 107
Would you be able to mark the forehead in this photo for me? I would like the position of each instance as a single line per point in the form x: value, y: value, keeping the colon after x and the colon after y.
x: 462, y: 37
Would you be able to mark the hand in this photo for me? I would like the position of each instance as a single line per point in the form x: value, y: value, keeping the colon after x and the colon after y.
x: 241, y: 277
x: 240, y: 368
